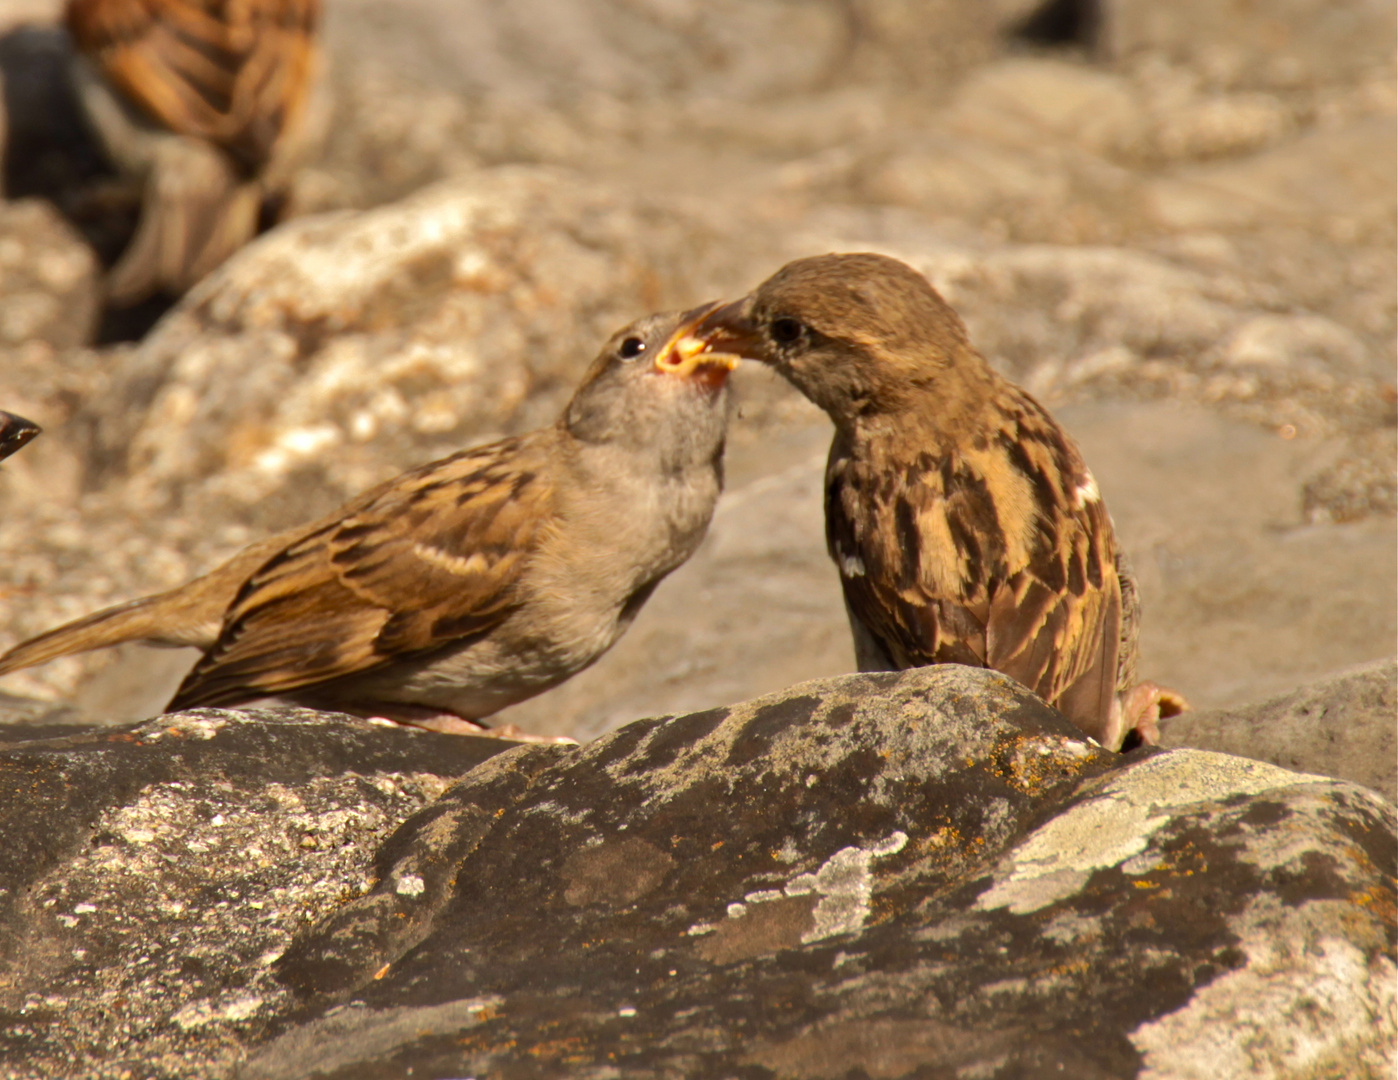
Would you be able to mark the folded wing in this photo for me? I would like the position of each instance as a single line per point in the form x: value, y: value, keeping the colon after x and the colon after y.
x: 405, y: 570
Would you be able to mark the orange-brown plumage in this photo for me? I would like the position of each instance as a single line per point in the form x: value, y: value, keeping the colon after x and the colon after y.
x: 964, y: 522
x: 233, y: 72
x: 205, y: 101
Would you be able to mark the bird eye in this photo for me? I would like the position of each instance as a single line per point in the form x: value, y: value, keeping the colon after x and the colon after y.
x: 785, y: 331
x: 631, y: 348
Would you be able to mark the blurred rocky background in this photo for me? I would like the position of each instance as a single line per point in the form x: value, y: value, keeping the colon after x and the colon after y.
x: 1174, y: 224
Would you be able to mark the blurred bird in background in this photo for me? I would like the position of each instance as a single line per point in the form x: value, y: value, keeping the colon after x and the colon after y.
x: 15, y: 431
x: 204, y: 103
x: 965, y: 524
x: 464, y: 586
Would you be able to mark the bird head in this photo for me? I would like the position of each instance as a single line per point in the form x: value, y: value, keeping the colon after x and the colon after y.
x: 855, y: 333
x: 655, y: 384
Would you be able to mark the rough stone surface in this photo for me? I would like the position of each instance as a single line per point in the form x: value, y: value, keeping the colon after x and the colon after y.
x: 48, y: 279
x: 892, y: 874
x: 151, y: 873
x: 1281, y: 45
x: 887, y: 875
x: 1343, y: 726
x: 470, y: 307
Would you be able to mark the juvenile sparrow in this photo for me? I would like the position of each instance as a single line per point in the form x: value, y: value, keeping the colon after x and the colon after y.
x: 965, y: 525
x: 468, y: 584
x: 15, y: 431
x: 203, y: 101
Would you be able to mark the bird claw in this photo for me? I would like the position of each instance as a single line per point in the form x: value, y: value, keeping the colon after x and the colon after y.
x: 1142, y: 707
x: 514, y: 734
x: 451, y: 724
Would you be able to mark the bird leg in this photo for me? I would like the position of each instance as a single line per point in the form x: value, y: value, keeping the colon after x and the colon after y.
x: 1142, y: 707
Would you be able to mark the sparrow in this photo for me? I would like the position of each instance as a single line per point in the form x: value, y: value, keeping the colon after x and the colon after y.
x: 15, y: 431
x: 203, y: 101
x: 468, y: 584
x: 964, y: 523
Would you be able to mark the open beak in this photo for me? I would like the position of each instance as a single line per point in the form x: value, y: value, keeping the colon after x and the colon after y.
x: 729, y: 328
x: 15, y: 431
x: 692, y: 357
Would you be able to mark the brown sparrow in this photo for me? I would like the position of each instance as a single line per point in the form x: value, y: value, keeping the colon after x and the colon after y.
x: 15, y: 431
x: 202, y: 100
x: 468, y: 584
x: 965, y: 525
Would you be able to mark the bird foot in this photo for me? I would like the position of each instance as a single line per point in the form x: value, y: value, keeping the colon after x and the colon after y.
x: 451, y: 724
x: 1142, y: 707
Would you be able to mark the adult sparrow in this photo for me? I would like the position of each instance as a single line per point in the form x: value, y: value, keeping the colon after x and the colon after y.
x: 203, y: 102
x: 468, y: 584
x: 15, y: 431
x: 965, y: 525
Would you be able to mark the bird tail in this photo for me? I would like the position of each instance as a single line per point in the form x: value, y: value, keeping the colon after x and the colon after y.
x: 134, y: 621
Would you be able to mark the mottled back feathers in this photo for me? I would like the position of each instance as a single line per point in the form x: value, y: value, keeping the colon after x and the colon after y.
x: 233, y: 72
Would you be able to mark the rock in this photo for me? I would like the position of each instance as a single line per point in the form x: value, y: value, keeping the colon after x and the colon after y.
x: 874, y: 874
x: 883, y: 873
x: 1242, y: 598
x: 1341, y: 726
x: 149, y: 872
x: 1331, y: 180
x: 18, y: 12
x: 1361, y: 483
x: 48, y: 279
x: 1286, y: 44
x: 1022, y: 99
x: 382, y: 339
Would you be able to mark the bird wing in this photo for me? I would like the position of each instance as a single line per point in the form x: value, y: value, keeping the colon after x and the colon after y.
x: 1055, y: 626
x: 233, y: 73
x: 428, y: 559
x: 887, y: 530
x: 1002, y: 557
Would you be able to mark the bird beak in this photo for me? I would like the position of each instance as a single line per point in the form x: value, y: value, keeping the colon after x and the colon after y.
x: 693, y: 357
x: 730, y: 329
x: 15, y: 431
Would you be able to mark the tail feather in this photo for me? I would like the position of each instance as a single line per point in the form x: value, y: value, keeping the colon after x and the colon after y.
x: 137, y: 620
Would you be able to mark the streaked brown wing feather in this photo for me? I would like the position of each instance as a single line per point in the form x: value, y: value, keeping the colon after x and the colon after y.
x: 233, y: 73
x: 941, y: 582
x: 429, y: 559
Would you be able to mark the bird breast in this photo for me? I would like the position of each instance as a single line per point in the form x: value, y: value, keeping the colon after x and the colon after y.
x: 619, y: 530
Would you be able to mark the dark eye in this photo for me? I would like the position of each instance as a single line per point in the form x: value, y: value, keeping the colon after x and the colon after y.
x: 631, y: 348
x: 786, y: 331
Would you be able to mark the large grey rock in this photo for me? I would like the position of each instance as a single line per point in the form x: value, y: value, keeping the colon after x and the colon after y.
x: 148, y: 874
x: 1343, y: 726
x: 884, y: 873
x: 881, y: 875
